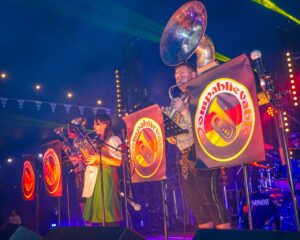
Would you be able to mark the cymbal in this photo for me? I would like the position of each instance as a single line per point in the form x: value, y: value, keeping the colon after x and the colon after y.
x: 183, y: 33
x: 268, y: 146
x: 256, y: 164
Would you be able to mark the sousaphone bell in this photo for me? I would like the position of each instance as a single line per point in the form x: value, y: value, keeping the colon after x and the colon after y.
x: 183, y: 33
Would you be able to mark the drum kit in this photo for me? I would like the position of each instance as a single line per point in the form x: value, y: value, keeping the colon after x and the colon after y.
x: 271, y: 203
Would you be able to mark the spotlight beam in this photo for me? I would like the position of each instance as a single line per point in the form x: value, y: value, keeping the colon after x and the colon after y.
x: 272, y: 6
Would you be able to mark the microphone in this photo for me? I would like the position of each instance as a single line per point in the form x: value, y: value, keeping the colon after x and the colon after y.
x: 122, y: 147
x: 256, y: 58
x: 136, y: 206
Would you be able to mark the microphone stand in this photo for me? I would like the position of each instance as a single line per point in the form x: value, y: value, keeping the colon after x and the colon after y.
x: 124, y: 158
x: 276, y: 101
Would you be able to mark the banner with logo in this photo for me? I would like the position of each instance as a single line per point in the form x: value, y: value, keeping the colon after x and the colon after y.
x: 146, y: 136
x: 28, y: 184
x: 52, y: 168
x: 226, y: 121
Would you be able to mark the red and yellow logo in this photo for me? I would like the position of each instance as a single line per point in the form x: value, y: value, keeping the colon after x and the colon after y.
x: 224, y: 120
x: 52, y: 171
x: 146, y: 147
x: 28, y: 181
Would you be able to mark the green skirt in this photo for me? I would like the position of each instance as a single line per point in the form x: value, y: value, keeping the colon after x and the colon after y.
x: 93, y: 206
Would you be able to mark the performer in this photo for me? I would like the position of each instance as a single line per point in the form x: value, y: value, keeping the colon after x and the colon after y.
x: 111, y: 159
x: 201, y: 187
x: 78, y: 169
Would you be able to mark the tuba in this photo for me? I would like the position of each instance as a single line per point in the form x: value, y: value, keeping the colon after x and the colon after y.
x: 67, y: 145
x: 183, y: 33
x: 182, y: 37
x: 83, y: 143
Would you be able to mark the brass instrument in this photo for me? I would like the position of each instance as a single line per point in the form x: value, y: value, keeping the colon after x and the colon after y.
x: 81, y: 145
x: 67, y: 144
x: 83, y: 142
x: 181, y: 38
x: 183, y: 33
x: 184, y: 97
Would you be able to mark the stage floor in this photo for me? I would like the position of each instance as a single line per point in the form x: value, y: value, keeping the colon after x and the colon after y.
x: 172, y: 236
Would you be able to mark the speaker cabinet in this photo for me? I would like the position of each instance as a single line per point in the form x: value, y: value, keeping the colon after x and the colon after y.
x: 17, y: 232
x: 213, y: 234
x: 93, y: 233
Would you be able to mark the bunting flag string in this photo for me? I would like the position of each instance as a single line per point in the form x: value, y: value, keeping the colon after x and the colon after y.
x: 3, y: 102
x: 81, y: 109
x: 95, y: 110
x: 53, y: 106
x: 38, y: 105
x: 67, y: 107
x: 20, y: 103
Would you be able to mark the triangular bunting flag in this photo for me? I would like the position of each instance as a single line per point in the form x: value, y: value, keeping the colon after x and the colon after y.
x: 3, y: 102
x: 95, y: 110
x: 81, y: 109
x: 108, y: 111
x: 53, y: 106
x: 20, y: 103
x: 67, y: 107
x: 38, y: 105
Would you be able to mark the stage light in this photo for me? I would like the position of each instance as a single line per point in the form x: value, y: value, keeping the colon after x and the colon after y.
x: 291, y: 75
x: 295, y: 104
x: 287, y: 129
x: 270, y: 111
x: 69, y: 95
x: 287, y: 54
x: 289, y: 65
x: 288, y: 59
x: 284, y: 113
x: 286, y: 124
x: 295, y: 98
x: 40, y: 155
x: 272, y: 6
x: 294, y: 92
x: 3, y: 75
x: 293, y: 87
x: 292, y: 81
x: 99, y: 102
x: 9, y: 160
x: 117, y: 71
x: 290, y: 70
x: 38, y: 87
x: 285, y: 118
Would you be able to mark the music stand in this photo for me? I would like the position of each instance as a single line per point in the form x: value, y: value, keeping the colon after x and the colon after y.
x: 171, y: 130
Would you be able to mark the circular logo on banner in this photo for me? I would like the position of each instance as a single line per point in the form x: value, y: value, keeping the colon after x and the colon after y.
x: 146, y: 147
x: 52, y: 170
x: 224, y: 120
x: 28, y: 180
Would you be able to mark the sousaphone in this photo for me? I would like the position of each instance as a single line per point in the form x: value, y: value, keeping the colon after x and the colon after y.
x: 183, y: 33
